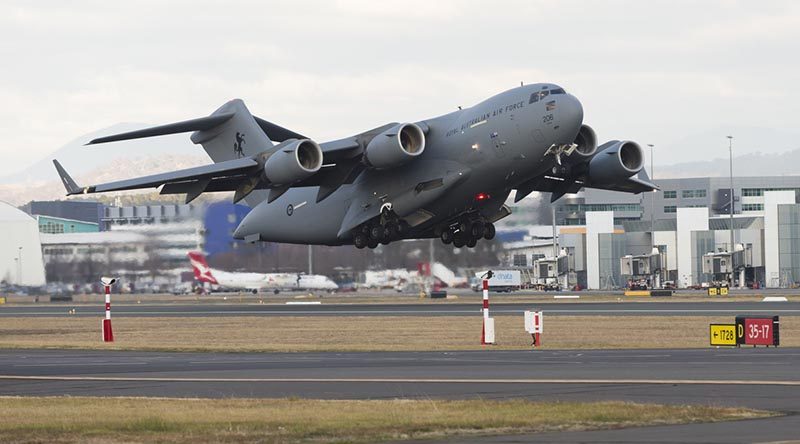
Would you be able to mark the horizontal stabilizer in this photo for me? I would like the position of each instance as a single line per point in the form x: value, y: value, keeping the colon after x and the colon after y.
x: 277, y: 133
x: 200, y: 124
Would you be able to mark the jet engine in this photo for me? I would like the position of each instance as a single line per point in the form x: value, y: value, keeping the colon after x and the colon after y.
x: 619, y: 161
x: 395, y: 146
x: 293, y: 162
x: 586, y: 142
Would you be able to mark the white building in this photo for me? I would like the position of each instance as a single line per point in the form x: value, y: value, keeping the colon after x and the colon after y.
x: 20, y: 248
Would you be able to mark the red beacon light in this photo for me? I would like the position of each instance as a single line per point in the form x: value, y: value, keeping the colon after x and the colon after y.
x: 480, y: 197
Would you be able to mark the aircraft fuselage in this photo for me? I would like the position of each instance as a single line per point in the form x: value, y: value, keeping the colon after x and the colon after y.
x: 473, y: 158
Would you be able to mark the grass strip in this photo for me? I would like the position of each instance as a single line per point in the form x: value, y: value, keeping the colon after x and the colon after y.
x: 367, y: 333
x: 118, y: 420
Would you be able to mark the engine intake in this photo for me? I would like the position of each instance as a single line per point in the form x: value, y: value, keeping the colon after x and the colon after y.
x: 297, y: 160
x: 620, y: 160
x: 586, y: 141
x: 395, y: 146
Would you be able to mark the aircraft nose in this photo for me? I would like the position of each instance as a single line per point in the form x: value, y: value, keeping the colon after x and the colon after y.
x: 571, y: 110
x: 570, y: 118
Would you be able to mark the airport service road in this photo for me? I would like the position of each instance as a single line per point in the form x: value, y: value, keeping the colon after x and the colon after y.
x: 759, y: 378
x: 429, y: 308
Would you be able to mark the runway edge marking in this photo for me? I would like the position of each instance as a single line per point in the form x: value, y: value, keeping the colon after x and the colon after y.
x: 407, y: 380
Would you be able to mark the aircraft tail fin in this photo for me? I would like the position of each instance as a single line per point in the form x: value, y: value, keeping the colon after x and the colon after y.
x: 228, y: 133
x: 202, y: 272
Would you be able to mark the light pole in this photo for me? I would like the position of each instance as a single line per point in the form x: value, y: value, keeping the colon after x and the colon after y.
x: 652, y: 198
x: 652, y: 212
x: 730, y: 246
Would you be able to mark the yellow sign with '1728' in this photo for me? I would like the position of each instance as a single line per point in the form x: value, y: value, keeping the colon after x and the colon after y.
x: 722, y: 334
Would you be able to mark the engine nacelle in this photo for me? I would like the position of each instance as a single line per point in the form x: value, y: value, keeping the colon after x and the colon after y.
x: 395, y: 146
x: 293, y: 162
x: 586, y: 142
x: 620, y: 160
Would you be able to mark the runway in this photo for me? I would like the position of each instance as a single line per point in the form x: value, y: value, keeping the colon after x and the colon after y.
x: 430, y: 308
x: 759, y: 378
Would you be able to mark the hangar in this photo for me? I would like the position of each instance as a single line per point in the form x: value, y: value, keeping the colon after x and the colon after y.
x: 20, y: 248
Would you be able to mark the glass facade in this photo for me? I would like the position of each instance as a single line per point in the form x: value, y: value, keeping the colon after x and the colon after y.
x: 691, y: 194
x: 577, y: 208
x: 702, y: 243
x: 759, y: 192
x: 752, y: 207
x: 611, y: 248
x: 670, y: 194
x: 789, y: 243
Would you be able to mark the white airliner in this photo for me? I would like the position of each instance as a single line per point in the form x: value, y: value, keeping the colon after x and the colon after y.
x: 255, y: 282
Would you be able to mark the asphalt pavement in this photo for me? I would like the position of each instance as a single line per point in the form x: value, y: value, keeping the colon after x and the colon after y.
x: 428, y: 308
x: 759, y: 378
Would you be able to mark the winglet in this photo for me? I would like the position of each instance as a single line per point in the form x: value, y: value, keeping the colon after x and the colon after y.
x: 69, y: 184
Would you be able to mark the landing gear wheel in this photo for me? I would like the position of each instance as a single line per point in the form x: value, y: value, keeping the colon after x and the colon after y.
x: 360, y: 241
x: 465, y: 226
x: 489, y: 232
x: 387, y: 234
x: 400, y: 229
x: 372, y: 244
x: 376, y: 232
x: 471, y: 242
x: 447, y: 237
x: 477, y: 230
x: 459, y: 241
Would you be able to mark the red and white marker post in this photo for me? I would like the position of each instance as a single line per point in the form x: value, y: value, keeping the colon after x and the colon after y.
x: 534, y: 324
x: 487, y: 333
x: 108, y: 334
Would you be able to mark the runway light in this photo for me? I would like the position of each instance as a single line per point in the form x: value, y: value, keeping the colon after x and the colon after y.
x: 481, y: 197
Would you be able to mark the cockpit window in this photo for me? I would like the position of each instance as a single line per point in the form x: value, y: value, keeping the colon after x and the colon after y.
x: 558, y: 91
x: 535, y: 97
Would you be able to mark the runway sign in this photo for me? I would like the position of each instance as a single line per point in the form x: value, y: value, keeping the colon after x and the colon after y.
x: 2, y: 301
x: 755, y: 330
x: 722, y: 335
x: 717, y: 291
x: 534, y: 321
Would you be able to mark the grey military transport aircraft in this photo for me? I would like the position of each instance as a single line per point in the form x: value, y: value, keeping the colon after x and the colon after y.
x: 447, y: 177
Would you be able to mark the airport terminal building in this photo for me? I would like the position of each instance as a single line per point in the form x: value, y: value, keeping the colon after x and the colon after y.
x: 688, y: 223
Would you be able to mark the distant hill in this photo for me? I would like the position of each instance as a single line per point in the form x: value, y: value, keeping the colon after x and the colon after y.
x: 756, y: 164
x: 756, y: 151
x: 101, y: 163
x: 52, y: 189
x: 79, y: 159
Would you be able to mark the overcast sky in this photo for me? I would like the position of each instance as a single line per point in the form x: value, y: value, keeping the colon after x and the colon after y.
x: 649, y: 71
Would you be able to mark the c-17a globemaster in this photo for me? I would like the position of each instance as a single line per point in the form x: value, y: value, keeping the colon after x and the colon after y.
x: 446, y: 177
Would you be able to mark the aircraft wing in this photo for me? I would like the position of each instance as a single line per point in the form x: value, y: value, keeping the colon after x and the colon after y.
x: 222, y: 176
x: 559, y: 186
